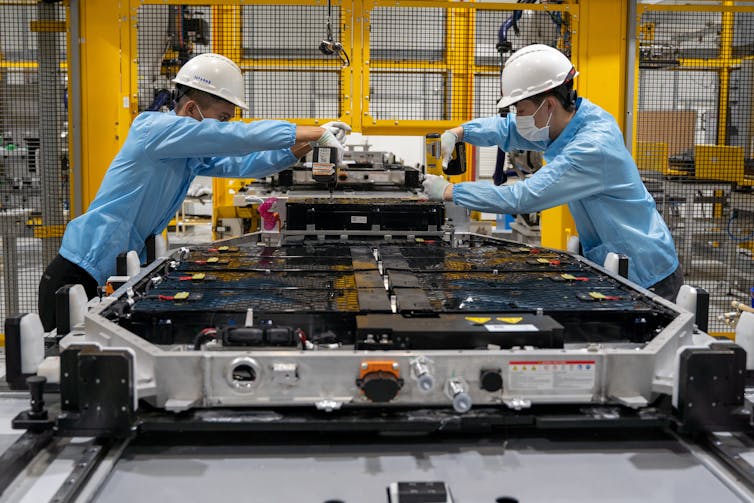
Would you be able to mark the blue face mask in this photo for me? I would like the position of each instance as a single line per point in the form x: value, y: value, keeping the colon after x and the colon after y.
x: 526, y: 127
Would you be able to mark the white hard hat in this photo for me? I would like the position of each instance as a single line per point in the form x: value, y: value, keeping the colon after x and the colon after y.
x: 532, y: 70
x: 216, y: 75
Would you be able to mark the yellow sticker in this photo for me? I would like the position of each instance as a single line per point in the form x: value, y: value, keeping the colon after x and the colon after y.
x: 181, y: 296
x: 543, y: 260
x: 568, y: 276
x: 212, y: 259
x: 478, y: 321
x: 222, y: 248
x: 198, y: 275
x: 511, y: 320
x: 596, y: 295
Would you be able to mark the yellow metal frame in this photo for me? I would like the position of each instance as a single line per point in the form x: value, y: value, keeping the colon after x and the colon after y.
x: 460, y: 38
x: 107, y: 87
x: 723, y: 64
x: 109, y: 52
x: 708, y: 157
x: 109, y: 67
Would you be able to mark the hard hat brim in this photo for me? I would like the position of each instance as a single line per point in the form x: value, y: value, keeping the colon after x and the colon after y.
x: 239, y: 103
x: 507, y: 101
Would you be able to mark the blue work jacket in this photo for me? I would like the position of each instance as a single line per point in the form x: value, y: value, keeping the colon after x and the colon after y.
x: 589, y: 168
x: 148, y: 180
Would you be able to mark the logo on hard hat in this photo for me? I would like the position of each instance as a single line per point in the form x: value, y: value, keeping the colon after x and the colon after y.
x: 202, y: 79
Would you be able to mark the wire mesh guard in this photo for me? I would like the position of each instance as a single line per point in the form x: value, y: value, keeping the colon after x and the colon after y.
x: 277, y: 47
x: 291, y: 71
x: 34, y: 168
x: 695, y: 143
x: 451, y: 71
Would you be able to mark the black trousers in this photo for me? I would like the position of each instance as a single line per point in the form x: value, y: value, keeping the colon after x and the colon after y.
x: 61, y: 272
x: 668, y: 287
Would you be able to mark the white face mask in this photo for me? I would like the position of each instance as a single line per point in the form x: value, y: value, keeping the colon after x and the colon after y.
x: 526, y: 127
x: 200, y: 112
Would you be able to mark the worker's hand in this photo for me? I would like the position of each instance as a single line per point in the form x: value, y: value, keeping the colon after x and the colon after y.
x: 196, y: 190
x: 338, y: 129
x: 448, y: 142
x: 434, y: 187
x: 329, y: 140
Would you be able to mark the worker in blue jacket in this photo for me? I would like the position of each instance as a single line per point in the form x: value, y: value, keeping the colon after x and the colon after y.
x: 148, y: 179
x: 588, y: 167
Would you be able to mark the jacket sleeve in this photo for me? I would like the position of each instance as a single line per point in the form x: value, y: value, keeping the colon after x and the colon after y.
x: 500, y: 131
x: 254, y: 165
x: 577, y: 173
x: 170, y: 136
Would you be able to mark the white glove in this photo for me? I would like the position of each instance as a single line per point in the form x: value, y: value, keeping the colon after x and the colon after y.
x: 338, y: 129
x: 203, y: 191
x: 448, y: 142
x: 328, y: 140
x: 434, y: 187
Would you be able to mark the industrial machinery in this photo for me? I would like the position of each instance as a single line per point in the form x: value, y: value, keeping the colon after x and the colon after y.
x: 359, y: 301
x: 363, y: 173
x: 366, y: 311
x: 362, y: 169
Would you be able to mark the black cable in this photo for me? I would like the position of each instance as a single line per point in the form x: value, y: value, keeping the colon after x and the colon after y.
x: 329, y: 46
x: 203, y: 337
x: 734, y: 216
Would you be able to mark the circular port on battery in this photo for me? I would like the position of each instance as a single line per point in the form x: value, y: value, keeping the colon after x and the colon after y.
x: 242, y: 374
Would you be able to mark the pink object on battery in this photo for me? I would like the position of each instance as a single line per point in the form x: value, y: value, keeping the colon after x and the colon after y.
x: 269, y: 217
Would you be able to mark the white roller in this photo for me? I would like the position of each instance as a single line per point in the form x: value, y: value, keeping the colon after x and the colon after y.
x: 160, y: 246
x: 686, y: 298
x: 573, y: 244
x: 612, y: 262
x: 77, y: 301
x: 32, y: 343
x: 50, y: 369
x: 133, y: 264
x: 745, y: 336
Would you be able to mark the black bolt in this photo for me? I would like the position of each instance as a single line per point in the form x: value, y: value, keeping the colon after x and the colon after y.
x: 36, y: 390
x: 490, y: 380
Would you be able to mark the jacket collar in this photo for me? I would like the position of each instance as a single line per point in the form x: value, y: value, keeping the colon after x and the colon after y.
x: 570, y: 130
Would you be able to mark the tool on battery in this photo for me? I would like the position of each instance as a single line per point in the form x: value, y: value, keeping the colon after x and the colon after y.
x: 433, y: 157
x: 432, y: 154
x: 324, y: 167
x: 457, y: 163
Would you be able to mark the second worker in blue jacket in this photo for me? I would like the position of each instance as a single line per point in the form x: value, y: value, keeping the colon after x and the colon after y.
x: 588, y: 167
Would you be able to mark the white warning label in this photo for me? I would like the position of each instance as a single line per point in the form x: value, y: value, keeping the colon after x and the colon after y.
x: 555, y: 374
x: 524, y: 327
